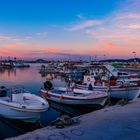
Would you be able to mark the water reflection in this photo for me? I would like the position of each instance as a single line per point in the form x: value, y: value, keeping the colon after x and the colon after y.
x: 72, y: 110
x: 29, y: 77
x: 32, y: 80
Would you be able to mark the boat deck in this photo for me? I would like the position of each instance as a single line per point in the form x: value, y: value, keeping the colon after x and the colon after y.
x: 77, y: 94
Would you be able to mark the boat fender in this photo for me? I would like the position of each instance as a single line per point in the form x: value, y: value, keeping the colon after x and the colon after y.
x: 121, y: 83
x: 61, y: 97
x: 138, y: 83
x: 48, y: 85
x: 88, y: 79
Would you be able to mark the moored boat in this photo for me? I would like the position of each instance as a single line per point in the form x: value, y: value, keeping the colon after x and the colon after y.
x: 123, y: 89
x: 127, y: 89
x: 75, y: 97
x: 21, y: 105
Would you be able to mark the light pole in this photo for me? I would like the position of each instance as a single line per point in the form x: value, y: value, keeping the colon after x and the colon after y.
x: 104, y: 56
x: 134, y: 53
x: 95, y: 58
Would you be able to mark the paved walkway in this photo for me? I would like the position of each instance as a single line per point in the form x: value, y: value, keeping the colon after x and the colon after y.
x: 112, y: 123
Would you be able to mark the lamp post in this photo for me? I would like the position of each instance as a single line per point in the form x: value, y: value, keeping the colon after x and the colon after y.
x: 104, y: 56
x: 95, y: 58
x: 134, y: 53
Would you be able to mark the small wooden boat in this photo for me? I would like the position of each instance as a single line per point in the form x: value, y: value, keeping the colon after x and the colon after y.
x: 75, y: 97
x: 21, y: 105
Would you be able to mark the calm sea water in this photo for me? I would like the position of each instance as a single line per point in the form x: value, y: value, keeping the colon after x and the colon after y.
x: 32, y: 81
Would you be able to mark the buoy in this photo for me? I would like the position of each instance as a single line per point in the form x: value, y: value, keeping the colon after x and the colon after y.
x: 88, y: 79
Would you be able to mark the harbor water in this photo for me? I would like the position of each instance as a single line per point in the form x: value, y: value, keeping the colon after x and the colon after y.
x: 32, y: 81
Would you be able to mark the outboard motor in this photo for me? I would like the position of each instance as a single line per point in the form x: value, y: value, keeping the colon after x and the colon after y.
x: 3, y: 91
x: 48, y: 85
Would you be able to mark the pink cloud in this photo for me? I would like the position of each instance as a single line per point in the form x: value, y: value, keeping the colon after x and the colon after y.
x: 129, y: 16
x: 135, y: 26
x: 110, y: 49
x: 83, y: 25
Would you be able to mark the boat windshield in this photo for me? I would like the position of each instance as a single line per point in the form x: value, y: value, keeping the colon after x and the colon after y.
x: 17, y: 90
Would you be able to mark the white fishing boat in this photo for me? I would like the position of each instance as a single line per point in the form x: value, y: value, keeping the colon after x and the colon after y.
x: 129, y: 93
x: 124, y: 89
x: 75, y: 97
x: 21, y: 105
x: 127, y: 89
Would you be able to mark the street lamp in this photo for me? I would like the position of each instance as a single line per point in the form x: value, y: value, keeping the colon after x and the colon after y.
x: 95, y: 58
x: 104, y: 57
x: 134, y: 53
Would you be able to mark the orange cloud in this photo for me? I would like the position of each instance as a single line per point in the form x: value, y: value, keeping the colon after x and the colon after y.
x: 66, y: 49
x: 135, y: 26
x: 51, y: 50
x: 110, y: 46
x: 8, y: 53
x: 10, y: 46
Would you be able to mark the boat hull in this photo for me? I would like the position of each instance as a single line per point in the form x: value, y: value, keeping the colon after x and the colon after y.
x: 69, y: 100
x: 11, y: 113
x: 130, y: 93
x: 118, y: 92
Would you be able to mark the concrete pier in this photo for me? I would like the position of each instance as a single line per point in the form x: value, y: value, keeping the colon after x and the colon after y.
x: 112, y: 123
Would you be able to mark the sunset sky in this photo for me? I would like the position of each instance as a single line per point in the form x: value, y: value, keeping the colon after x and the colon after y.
x: 68, y: 29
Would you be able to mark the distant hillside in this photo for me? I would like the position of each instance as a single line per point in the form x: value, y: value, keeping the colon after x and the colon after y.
x: 40, y: 61
x: 132, y: 60
x: 36, y: 61
x: 121, y: 60
x: 107, y: 60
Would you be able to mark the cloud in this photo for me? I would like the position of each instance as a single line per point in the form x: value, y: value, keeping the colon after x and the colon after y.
x: 111, y: 46
x: 116, y: 35
x: 51, y: 50
x: 129, y: 16
x: 42, y: 34
x: 90, y: 32
x: 10, y: 46
x: 135, y: 26
x: 121, y: 29
x: 84, y: 25
x: 6, y: 39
